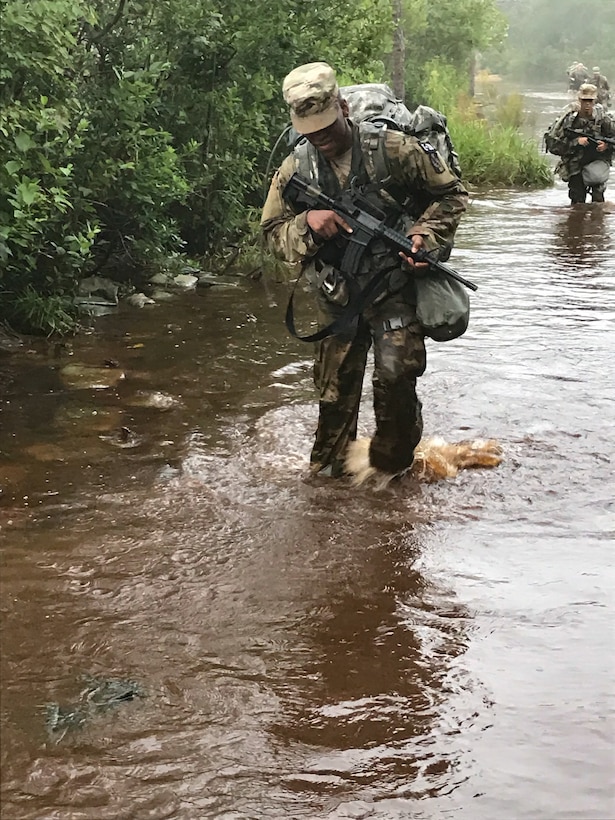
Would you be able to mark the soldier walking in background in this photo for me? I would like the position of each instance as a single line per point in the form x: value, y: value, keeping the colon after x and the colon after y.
x: 602, y: 86
x: 577, y: 137
x: 577, y: 75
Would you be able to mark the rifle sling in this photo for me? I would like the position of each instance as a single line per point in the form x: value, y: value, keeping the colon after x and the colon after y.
x: 349, y: 317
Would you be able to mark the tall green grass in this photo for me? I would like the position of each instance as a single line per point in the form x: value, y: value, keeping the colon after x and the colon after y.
x: 497, y: 154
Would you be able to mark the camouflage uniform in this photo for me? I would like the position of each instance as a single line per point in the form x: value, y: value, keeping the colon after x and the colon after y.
x: 575, y: 157
x: 602, y: 87
x: 577, y: 75
x: 435, y: 202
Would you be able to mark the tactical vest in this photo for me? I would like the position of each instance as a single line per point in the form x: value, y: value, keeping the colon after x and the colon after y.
x: 370, y: 175
x: 370, y: 169
x: 554, y: 138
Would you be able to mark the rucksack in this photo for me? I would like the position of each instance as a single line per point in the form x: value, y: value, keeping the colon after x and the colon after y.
x: 375, y: 106
x: 376, y: 103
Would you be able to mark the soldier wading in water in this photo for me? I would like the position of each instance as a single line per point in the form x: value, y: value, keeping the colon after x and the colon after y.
x: 585, y: 160
x: 426, y: 202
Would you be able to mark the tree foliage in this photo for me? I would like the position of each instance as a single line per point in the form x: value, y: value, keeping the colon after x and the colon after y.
x: 446, y: 35
x: 544, y: 38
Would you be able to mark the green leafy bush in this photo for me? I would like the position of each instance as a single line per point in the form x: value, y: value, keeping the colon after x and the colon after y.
x: 134, y: 131
x: 85, y: 179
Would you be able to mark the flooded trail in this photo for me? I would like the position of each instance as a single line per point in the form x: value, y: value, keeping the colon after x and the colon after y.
x: 306, y: 649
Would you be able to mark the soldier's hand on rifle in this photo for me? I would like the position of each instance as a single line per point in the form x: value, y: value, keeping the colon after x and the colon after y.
x: 326, y: 224
x: 583, y: 141
x: 601, y: 146
x: 417, y: 245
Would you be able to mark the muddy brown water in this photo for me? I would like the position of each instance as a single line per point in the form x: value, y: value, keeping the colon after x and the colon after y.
x: 308, y: 650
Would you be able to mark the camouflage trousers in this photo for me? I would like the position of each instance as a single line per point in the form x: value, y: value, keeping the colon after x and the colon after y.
x: 339, y: 369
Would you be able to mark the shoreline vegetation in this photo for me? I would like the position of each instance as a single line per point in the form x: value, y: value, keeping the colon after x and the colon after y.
x: 490, y: 141
x: 134, y: 144
x: 493, y: 152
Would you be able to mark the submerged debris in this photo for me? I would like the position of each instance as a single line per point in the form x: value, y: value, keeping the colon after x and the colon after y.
x: 97, y: 697
x: 123, y: 437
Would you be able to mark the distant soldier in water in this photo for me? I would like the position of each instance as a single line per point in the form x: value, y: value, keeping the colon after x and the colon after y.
x: 578, y: 137
x: 577, y: 75
x: 602, y: 86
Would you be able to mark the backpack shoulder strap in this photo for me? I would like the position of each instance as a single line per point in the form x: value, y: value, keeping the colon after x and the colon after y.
x: 306, y: 160
x: 372, y: 136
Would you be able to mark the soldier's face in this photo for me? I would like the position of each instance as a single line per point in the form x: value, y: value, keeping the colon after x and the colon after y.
x: 336, y: 139
x: 587, y: 108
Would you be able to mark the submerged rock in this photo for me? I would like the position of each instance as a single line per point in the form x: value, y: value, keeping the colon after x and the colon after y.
x: 208, y: 280
x: 160, y: 279
x: 124, y: 438
x: 97, y: 296
x: 160, y: 295
x: 185, y: 280
x: 147, y: 398
x: 45, y: 452
x: 139, y: 300
x: 88, y: 376
x: 84, y: 417
x: 91, y: 306
x: 98, y: 286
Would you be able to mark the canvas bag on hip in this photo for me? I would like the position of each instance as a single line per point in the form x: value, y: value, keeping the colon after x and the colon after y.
x: 442, y: 306
x: 596, y: 172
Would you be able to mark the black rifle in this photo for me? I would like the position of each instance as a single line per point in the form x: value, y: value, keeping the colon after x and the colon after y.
x: 590, y: 137
x: 365, y: 226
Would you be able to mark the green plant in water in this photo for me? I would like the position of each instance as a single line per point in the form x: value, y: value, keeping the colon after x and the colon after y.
x: 509, y: 110
x: 444, y: 86
x: 498, y: 155
x: 33, y: 312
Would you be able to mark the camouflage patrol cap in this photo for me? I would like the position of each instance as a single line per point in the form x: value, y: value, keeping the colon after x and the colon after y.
x: 587, y: 91
x: 311, y: 91
x: 596, y: 69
